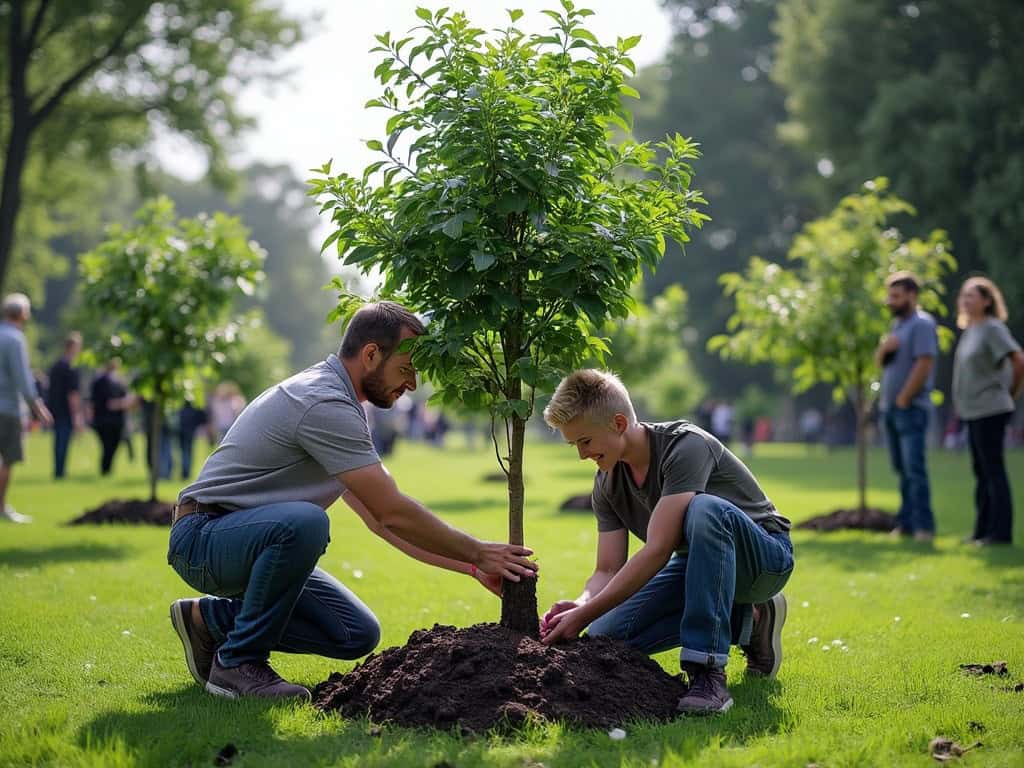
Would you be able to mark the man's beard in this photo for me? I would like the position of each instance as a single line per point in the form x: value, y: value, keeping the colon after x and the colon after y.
x: 375, y: 391
x: 900, y: 311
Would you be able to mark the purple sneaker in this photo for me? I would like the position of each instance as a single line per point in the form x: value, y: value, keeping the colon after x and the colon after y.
x: 708, y: 694
x: 252, y: 679
x: 764, y: 654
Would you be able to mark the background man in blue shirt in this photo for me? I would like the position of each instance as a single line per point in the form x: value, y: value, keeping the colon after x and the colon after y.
x: 907, y: 358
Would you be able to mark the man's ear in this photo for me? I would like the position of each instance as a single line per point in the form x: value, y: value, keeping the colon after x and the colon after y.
x: 370, y: 356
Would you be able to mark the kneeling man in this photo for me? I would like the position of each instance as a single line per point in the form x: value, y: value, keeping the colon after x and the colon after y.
x: 716, y: 552
x: 252, y: 527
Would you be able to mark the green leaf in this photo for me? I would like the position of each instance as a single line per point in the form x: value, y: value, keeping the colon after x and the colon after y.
x: 482, y: 260
x: 627, y: 90
x: 515, y: 14
x: 425, y: 14
x: 375, y: 145
x: 512, y: 202
x: 453, y: 227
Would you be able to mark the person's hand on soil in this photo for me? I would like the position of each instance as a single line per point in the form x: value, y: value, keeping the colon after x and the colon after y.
x: 492, y: 582
x: 559, y: 607
x: 565, y: 626
x: 508, y: 560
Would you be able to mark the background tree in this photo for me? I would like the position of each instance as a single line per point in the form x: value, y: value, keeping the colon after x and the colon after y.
x: 507, y: 219
x: 823, y: 319
x: 157, y: 297
x: 649, y: 351
x: 715, y: 80
x: 928, y: 94
x: 86, y: 78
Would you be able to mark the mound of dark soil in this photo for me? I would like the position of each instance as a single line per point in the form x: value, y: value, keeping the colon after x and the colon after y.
x: 130, y: 511
x: 577, y: 504
x: 487, y: 676
x: 851, y: 519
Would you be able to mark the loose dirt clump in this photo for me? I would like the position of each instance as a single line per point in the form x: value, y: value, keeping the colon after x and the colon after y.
x: 128, y: 511
x: 991, y: 668
x: 487, y: 676
x: 851, y: 519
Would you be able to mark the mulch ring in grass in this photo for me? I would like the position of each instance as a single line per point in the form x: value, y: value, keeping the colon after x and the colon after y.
x: 579, y: 503
x: 127, y: 511
x: 851, y: 519
x: 486, y: 676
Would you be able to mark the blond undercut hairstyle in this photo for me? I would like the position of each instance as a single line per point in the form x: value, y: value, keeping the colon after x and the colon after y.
x: 597, y: 395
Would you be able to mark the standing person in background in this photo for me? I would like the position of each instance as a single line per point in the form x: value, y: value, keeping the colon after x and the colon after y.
x: 190, y: 419
x: 988, y: 376
x: 16, y: 384
x: 65, y: 401
x: 224, y: 406
x: 907, y: 359
x: 110, y: 400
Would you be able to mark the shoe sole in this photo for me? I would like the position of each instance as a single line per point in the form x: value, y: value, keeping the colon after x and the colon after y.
x: 181, y: 627
x: 701, y: 712
x: 779, y: 607
x: 216, y: 690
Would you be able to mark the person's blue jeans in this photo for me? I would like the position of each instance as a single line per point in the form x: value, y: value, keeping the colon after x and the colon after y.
x: 701, y: 601
x: 259, y: 566
x: 62, y: 431
x: 906, y: 429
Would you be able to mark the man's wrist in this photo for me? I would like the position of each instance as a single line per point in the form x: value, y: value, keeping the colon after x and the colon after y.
x: 473, y: 570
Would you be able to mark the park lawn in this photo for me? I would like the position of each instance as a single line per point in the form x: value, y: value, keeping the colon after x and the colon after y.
x: 92, y: 674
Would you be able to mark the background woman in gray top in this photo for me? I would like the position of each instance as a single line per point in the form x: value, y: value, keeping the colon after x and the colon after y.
x: 988, y: 375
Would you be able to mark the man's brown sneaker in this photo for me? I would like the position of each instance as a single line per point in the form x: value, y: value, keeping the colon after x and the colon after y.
x: 708, y: 694
x: 764, y: 654
x: 199, y: 644
x: 252, y: 679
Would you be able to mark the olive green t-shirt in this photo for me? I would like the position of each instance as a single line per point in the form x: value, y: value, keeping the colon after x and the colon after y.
x: 982, y: 373
x: 684, y: 458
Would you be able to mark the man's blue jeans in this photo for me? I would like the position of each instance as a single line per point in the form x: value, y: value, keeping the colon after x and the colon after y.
x: 62, y: 431
x: 259, y: 566
x: 906, y: 429
x: 690, y: 602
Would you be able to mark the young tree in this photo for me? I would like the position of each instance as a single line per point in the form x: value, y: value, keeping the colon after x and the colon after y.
x: 512, y: 220
x: 824, y: 318
x: 160, y: 293
x: 87, y: 77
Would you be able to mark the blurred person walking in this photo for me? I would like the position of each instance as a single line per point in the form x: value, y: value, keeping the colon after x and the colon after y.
x: 110, y: 400
x: 988, y: 376
x: 64, y: 399
x: 16, y: 384
x: 907, y: 359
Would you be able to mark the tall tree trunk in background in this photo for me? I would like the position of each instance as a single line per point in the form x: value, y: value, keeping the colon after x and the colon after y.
x: 155, y: 422
x: 16, y: 151
x: 860, y: 411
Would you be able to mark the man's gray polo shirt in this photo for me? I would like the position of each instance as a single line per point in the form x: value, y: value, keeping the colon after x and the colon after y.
x: 918, y: 337
x: 16, y: 382
x: 289, y: 443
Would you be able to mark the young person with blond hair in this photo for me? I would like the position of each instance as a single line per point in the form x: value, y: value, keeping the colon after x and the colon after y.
x: 716, y: 552
x: 988, y: 376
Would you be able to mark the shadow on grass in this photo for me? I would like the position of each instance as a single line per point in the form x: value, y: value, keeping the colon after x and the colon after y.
x: 27, y: 557
x: 858, y: 550
x: 188, y: 727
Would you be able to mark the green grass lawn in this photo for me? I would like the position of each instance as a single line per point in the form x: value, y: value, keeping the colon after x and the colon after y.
x: 92, y: 674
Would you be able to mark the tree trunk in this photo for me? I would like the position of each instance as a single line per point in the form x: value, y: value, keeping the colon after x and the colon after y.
x: 16, y: 151
x: 860, y: 411
x: 155, y: 422
x: 519, y: 598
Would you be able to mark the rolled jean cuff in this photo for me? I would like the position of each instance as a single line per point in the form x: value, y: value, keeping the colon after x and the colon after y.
x: 703, y: 658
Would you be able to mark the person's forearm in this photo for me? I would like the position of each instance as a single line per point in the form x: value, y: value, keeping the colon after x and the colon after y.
x: 916, y: 379
x: 75, y: 405
x: 415, y: 525
x: 637, y: 571
x: 595, y: 584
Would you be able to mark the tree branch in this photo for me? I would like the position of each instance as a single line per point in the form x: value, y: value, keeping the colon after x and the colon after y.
x: 37, y: 22
x: 497, y: 451
x: 85, y: 70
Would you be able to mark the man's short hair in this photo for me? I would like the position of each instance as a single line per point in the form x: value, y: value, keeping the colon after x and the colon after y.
x: 906, y: 280
x: 73, y: 339
x: 16, y: 306
x: 379, y: 323
x: 598, y: 395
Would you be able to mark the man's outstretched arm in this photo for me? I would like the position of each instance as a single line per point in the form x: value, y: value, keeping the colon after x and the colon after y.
x: 409, y: 520
x: 493, y: 583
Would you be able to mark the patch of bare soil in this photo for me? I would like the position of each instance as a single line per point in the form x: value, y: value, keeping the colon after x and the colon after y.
x: 487, y: 676
x: 851, y: 519
x: 127, y: 511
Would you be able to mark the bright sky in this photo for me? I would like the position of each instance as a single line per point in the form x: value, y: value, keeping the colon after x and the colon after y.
x: 317, y: 113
